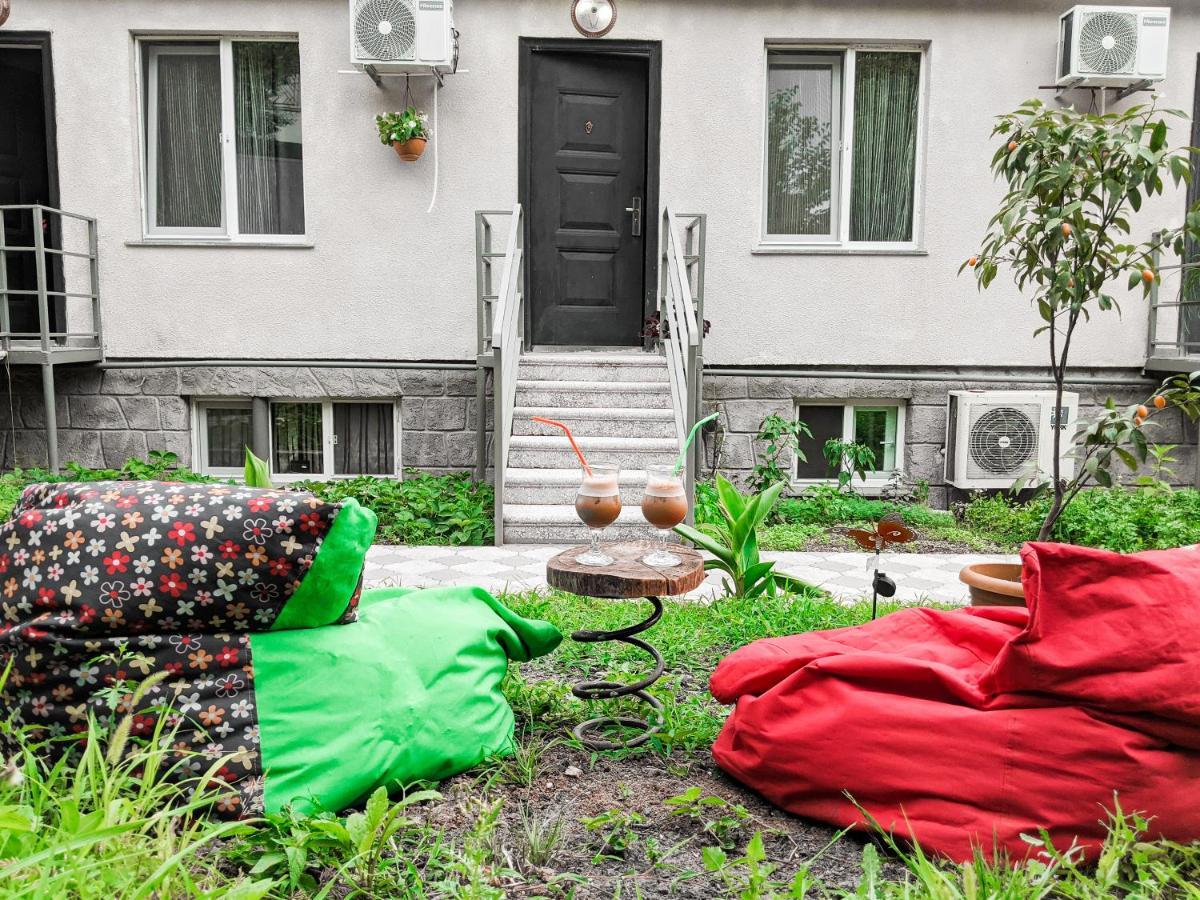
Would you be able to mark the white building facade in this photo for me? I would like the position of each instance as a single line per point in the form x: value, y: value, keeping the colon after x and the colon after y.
x: 316, y: 297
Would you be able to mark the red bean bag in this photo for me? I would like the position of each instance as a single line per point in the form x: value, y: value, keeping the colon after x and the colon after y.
x: 967, y: 729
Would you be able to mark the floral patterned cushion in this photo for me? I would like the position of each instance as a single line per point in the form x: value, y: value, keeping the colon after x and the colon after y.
x: 104, y: 583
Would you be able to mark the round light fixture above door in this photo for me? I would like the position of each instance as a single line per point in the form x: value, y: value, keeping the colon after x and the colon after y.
x: 593, y: 18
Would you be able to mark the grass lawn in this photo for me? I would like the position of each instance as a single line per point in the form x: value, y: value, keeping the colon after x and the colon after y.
x: 550, y: 821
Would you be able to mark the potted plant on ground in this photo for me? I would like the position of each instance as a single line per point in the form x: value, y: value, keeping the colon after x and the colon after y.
x: 406, y: 131
x: 1063, y: 232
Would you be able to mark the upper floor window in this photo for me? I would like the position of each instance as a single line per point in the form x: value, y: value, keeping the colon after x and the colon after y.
x: 842, y: 146
x: 223, y: 148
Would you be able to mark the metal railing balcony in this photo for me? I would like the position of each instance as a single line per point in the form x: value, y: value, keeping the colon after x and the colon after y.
x: 49, y: 286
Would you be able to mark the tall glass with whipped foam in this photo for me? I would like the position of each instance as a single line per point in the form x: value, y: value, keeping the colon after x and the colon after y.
x: 598, y: 503
x: 664, y: 505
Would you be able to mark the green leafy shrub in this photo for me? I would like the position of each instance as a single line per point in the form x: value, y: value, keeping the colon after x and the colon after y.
x: 1119, y: 518
x: 848, y: 458
x: 779, y: 435
x: 421, y: 509
x: 707, y: 509
x: 826, y: 505
x: 160, y: 465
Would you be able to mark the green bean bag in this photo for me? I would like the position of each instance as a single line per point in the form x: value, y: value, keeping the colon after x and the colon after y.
x: 410, y: 691
x: 249, y: 599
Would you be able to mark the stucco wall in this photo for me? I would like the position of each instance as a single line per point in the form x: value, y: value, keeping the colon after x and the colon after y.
x: 386, y: 279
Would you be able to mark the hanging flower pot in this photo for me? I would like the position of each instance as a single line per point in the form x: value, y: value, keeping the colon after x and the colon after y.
x: 410, y: 150
x: 407, y: 132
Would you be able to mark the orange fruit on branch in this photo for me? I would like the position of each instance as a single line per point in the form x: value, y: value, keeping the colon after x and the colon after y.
x: 1142, y: 412
x: 1147, y: 276
x: 1012, y: 145
x: 1160, y: 402
x: 973, y: 261
x: 1137, y: 420
x: 1066, y: 229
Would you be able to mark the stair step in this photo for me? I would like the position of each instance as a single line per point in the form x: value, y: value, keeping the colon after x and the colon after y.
x: 592, y: 356
x: 568, y: 367
x: 560, y: 525
x: 598, y: 421
x: 557, y: 486
x: 577, y: 394
x: 571, y: 534
x: 553, y: 452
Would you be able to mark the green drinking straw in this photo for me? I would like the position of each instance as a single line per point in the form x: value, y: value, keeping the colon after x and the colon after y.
x: 691, y: 437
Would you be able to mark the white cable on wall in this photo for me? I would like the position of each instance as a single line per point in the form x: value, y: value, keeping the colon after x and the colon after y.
x: 436, y: 138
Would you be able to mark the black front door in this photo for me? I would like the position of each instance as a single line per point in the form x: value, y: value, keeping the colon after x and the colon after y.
x: 24, y: 176
x: 586, y: 197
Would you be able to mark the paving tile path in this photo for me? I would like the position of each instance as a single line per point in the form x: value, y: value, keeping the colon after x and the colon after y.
x: 921, y: 577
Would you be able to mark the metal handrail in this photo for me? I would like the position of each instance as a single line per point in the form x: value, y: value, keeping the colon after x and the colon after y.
x: 1185, y: 343
x: 681, y: 318
x: 48, y: 340
x: 499, y: 340
x: 46, y: 347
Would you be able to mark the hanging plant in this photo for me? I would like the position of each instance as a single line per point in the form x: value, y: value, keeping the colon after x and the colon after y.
x: 407, y: 132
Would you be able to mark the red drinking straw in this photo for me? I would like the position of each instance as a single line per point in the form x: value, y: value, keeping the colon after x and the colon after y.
x: 570, y: 437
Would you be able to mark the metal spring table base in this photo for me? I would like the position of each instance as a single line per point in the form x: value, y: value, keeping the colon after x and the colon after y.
x: 588, y: 732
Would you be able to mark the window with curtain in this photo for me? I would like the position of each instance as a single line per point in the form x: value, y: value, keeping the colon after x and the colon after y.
x: 842, y: 146
x: 803, y: 117
x: 363, y: 439
x: 227, y: 434
x: 266, y: 78
x: 297, y: 439
x: 183, y: 132
x: 190, y: 172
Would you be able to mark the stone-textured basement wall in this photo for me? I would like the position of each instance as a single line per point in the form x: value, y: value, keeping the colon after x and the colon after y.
x: 106, y: 416
x: 745, y: 400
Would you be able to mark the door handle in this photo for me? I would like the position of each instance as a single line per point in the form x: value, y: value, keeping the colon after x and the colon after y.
x: 635, y: 213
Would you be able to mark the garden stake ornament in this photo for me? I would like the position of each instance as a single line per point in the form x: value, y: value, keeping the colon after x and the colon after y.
x: 890, y: 530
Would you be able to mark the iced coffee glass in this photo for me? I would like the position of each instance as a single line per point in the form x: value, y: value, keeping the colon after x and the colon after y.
x: 664, y: 504
x: 598, y: 503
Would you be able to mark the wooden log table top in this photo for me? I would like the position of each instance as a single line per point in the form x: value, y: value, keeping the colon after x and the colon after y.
x: 627, y: 576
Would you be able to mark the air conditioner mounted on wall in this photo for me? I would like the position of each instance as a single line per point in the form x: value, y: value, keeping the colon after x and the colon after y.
x: 403, y: 35
x: 1112, y: 46
x: 994, y: 438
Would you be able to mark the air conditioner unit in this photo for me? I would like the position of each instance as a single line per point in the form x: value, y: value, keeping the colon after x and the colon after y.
x: 403, y: 35
x: 994, y: 438
x: 1112, y: 46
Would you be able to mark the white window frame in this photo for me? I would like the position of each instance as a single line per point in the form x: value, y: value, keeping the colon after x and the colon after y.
x: 200, y: 407
x: 842, y: 149
x: 876, y: 480
x: 328, y: 443
x: 149, y: 47
x: 200, y: 410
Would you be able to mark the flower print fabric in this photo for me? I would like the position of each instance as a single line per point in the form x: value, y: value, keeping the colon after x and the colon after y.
x: 108, y: 582
x: 124, y: 557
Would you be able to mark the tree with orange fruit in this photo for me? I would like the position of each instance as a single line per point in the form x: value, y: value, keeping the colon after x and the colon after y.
x: 1063, y: 232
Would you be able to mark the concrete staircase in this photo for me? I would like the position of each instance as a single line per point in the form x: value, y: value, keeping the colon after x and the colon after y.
x: 618, y: 405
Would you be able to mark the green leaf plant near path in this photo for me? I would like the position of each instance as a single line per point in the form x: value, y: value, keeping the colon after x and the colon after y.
x: 734, y: 543
x: 258, y: 474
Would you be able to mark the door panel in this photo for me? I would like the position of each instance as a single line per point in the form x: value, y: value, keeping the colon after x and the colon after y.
x: 24, y: 178
x: 587, y: 163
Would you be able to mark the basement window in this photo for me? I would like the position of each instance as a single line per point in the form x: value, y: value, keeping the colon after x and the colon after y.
x: 878, y: 424
x: 309, y: 439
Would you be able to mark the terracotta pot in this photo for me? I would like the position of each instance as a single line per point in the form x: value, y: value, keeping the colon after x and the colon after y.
x: 410, y: 150
x: 994, y: 584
